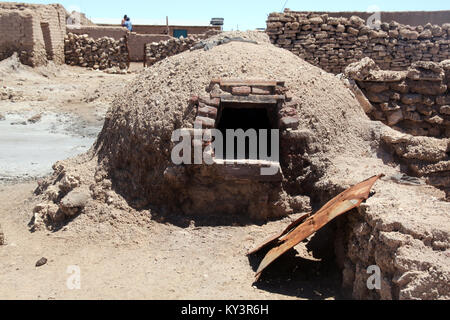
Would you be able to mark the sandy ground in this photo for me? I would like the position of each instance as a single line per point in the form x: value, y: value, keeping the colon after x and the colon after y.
x: 161, y: 261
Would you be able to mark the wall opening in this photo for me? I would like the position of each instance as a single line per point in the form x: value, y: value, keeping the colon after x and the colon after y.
x: 236, y: 116
x: 47, y: 40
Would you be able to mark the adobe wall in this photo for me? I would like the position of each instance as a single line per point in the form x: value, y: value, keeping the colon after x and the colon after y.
x: 97, y: 32
x: 162, y: 29
x: 137, y: 42
x: 333, y: 43
x: 16, y: 35
x: 36, y: 32
x: 413, y: 18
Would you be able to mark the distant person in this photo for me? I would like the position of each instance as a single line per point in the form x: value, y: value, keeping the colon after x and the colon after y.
x: 128, y: 24
x: 125, y: 17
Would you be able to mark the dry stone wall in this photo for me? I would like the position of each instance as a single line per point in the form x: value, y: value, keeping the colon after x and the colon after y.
x: 416, y: 104
x: 416, y: 101
x: 103, y: 53
x: 157, y: 51
x: 333, y: 43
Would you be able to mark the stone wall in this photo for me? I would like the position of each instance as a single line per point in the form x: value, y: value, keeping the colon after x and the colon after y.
x: 333, y: 43
x: 103, y: 53
x: 416, y: 101
x: 136, y: 40
x: 413, y: 18
x: 157, y: 51
x: 36, y: 32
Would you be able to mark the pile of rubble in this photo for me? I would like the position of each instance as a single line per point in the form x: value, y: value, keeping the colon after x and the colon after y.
x: 11, y: 95
x: 415, y: 100
x: 157, y: 51
x: 103, y: 53
x: 333, y: 43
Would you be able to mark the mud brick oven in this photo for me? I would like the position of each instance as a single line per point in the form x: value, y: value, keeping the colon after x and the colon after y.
x: 233, y: 184
x: 35, y: 31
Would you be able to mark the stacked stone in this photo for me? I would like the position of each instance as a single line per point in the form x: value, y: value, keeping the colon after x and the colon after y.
x: 415, y: 100
x: 157, y: 51
x: 333, y: 43
x: 103, y: 53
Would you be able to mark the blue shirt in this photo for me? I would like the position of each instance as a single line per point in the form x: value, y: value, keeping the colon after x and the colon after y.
x: 128, y: 25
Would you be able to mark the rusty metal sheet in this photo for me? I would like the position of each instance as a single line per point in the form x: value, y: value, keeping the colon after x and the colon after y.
x: 288, y: 239
x: 275, y: 238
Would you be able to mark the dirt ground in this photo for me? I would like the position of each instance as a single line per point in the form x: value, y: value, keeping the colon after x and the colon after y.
x: 162, y: 260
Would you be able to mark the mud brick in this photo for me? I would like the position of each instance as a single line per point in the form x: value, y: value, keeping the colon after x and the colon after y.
x: 205, y: 122
x: 289, y: 123
x: 207, y: 111
x: 262, y: 90
x: 242, y: 91
x: 212, y: 102
x: 288, y: 112
x: 193, y: 100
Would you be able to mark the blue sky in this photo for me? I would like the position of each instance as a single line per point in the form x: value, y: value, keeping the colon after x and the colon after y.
x: 242, y: 14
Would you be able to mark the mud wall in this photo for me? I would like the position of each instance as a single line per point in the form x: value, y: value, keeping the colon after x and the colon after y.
x: 162, y: 29
x: 36, y: 32
x: 137, y: 42
x: 333, y: 43
x: 103, y: 53
x: 97, y: 32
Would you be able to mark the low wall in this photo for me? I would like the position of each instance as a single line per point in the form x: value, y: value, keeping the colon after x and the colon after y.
x: 417, y: 100
x: 102, y: 53
x: 333, y: 43
x: 97, y: 32
x: 416, y: 103
x: 162, y: 29
x: 137, y: 42
x: 157, y: 51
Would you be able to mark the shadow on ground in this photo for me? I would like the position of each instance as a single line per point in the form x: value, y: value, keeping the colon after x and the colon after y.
x: 313, y: 278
